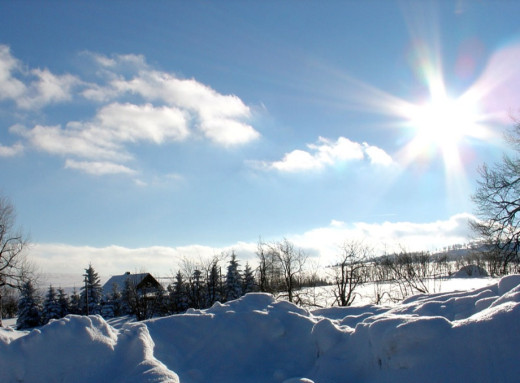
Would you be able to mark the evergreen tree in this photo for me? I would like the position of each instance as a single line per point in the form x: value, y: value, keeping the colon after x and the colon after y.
x: 91, y: 293
x: 177, y: 295
x: 161, y: 303
x: 29, y: 308
x: 196, y: 290
x: 128, y: 298
x: 51, y: 307
x: 233, y: 280
x: 214, y: 292
x: 74, y: 303
x: 249, y: 280
x: 113, y: 305
x: 63, y: 303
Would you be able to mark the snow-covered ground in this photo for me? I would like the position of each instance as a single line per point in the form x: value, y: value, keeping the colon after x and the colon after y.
x: 468, y: 336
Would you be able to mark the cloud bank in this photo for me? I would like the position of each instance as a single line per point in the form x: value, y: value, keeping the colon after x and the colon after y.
x: 322, y: 244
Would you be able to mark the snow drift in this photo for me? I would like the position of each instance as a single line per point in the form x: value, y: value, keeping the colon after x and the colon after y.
x: 449, y: 337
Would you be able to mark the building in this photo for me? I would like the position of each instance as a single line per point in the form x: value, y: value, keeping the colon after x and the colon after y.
x: 145, y: 284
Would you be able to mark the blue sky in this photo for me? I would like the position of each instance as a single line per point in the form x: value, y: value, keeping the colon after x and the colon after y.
x: 133, y: 134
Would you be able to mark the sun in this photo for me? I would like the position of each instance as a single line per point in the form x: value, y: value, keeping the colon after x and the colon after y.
x: 443, y: 121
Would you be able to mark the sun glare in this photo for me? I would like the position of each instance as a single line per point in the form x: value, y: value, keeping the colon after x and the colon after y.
x: 443, y: 121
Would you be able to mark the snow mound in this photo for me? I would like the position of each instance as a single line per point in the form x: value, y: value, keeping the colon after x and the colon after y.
x: 82, y: 349
x: 472, y: 271
x: 449, y: 337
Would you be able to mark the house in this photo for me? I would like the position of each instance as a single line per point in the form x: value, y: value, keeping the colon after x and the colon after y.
x: 144, y: 283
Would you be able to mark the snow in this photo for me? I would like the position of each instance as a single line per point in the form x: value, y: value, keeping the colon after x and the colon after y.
x: 448, y: 336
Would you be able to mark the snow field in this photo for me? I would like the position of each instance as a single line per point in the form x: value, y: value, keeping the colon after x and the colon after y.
x: 444, y: 337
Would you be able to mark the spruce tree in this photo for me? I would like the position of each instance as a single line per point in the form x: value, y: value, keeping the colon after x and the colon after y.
x: 233, y: 279
x: 177, y: 295
x: 51, y: 308
x: 214, y: 293
x: 113, y: 304
x: 74, y: 303
x: 63, y: 303
x: 196, y: 290
x: 249, y: 280
x: 29, y: 308
x: 91, y: 293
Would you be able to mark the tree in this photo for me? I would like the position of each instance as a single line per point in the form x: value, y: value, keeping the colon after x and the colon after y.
x: 249, y: 283
x: 51, y: 308
x: 498, y: 206
x: 214, y: 284
x: 91, y: 292
x: 75, y: 303
x: 14, y: 270
x: 270, y: 279
x: 290, y: 262
x: 177, y: 294
x: 143, y: 302
x: 349, y: 272
x: 113, y: 305
x: 29, y: 307
x: 63, y: 303
x: 196, y: 290
x: 233, y: 279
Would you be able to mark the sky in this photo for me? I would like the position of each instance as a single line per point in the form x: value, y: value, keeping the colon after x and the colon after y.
x: 134, y: 135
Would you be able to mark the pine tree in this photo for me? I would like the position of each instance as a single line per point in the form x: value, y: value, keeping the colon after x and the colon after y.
x: 74, y: 303
x: 249, y: 280
x: 113, y: 305
x: 214, y: 293
x: 63, y: 303
x: 128, y: 298
x: 233, y: 280
x: 160, y: 304
x: 29, y: 308
x: 177, y: 295
x: 91, y: 293
x: 196, y: 290
x: 51, y: 308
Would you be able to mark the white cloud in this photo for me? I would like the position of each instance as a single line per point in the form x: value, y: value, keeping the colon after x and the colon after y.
x: 327, y: 153
x: 12, y: 88
x: 10, y: 151
x: 74, y: 140
x: 132, y: 123
x: 35, y: 88
x: 377, y: 155
x: 104, y: 137
x: 98, y: 168
x: 220, y: 118
x: 47, y: 89
x: 297, y: 160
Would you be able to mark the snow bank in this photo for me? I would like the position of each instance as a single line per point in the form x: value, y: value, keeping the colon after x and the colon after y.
x: 81, y: 349
x: 449, y: 337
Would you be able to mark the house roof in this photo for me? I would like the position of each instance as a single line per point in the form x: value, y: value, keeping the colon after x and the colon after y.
x: 119, y: 280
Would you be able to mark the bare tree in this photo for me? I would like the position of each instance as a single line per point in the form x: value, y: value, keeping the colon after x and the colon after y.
x: 349, y: 272
x: 269, y: 269
x: 291, y: 262
x: 411, y: 271
x: 498, y: 207
x: 14, y: 268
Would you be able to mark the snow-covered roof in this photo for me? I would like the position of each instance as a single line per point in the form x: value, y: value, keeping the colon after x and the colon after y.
x: 119, y: 280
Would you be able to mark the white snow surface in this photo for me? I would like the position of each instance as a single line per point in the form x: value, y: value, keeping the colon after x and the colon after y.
x: 471, y: 336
